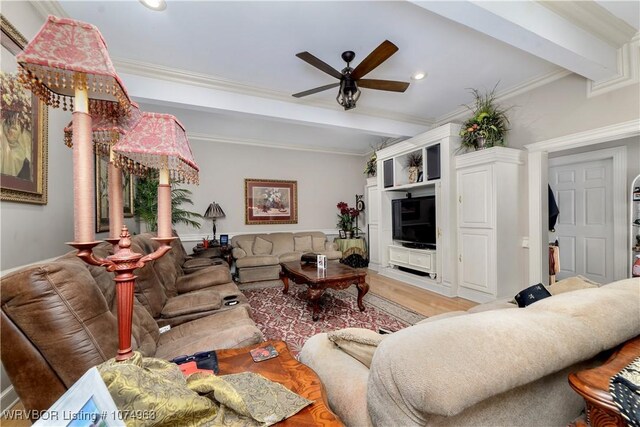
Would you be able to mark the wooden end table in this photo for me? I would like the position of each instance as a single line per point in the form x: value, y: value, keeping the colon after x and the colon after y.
x: 336, y: 276
x: 286, y: 370
x: 593, y: 385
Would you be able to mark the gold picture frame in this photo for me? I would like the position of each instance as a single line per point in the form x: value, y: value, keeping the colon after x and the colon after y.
x: 270, y: 201
x: 23, y: 129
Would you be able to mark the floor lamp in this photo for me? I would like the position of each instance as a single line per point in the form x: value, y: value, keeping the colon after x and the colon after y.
x: 67, y: 63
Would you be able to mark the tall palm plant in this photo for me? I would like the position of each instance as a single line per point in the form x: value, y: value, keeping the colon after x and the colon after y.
x: 146, y: 204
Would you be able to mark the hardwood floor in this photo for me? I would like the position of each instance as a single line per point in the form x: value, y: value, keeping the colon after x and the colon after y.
x: 419, y: 300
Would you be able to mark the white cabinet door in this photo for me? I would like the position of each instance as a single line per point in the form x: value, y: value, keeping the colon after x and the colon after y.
x: 475, y: 197
x: 374, y: 245
x: 397, y: 254
x: 476, y: 259
x: 373, y: 205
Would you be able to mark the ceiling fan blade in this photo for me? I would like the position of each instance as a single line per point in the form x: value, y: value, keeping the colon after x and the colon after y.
x: 319, y: 64
x: 375, y: 58
x: 391, y: 85
x: 316, y: 90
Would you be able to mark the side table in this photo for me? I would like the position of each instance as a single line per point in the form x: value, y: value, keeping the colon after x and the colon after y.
x: 213, y: 251
x: 593, y: 385
x: 286, y: 370
x: 352, y: 246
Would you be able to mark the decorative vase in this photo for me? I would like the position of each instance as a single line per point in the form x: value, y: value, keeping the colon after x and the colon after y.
x: 349, y: 234
x: 413, y: 174
x: 480, y: 143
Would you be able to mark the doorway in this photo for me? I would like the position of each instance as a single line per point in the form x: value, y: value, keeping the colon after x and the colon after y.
x: 584, y: 186
x: 584, y: 230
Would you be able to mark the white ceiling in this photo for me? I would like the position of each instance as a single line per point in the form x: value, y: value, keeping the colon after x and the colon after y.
x: 228, y: 69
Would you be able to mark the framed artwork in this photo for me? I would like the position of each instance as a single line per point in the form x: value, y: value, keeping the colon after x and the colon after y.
x: 342, y: 234
x: 269, y: 201
x: 23, y: 118
x: 102, y: 194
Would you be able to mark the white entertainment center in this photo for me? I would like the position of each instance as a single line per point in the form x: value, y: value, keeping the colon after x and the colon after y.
x: 477, y: 206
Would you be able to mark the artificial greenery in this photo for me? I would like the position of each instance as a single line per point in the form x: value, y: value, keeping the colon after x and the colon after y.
x: 489, y: 121
x: 370, y: 167
x: 146, y: 204
x: 413, y: 160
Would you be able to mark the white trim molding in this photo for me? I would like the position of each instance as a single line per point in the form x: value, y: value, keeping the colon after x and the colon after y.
x: 628, y: 70
x: 538, y: 181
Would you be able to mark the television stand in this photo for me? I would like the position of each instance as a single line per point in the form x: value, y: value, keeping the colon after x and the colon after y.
x: 413, y: 245
x: 423, y: 260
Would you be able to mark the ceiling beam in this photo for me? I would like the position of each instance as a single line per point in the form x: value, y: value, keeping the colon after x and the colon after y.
x: 535, y: 29
x: 183, y: 95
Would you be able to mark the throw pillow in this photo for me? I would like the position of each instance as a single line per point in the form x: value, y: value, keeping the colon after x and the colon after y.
x: 572, y: 284
x: 532, y: 294
x: 302, y: 244
x: 246, y: 245
x: 357, y: 342
x: 318, y: 243
x: 262, y: 246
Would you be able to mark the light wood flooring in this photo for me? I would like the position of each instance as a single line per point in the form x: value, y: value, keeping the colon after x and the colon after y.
x: 419, y: 300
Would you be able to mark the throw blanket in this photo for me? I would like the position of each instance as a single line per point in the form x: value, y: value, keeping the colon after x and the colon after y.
x: 625, y: 389
x: 157, y: 389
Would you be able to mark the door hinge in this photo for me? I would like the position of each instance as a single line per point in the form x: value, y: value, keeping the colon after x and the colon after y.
x: 459, y: 199
x: 460, y: 258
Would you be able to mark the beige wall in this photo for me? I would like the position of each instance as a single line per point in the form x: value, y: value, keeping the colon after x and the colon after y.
x: 323, y: 181
x: 562, y: 108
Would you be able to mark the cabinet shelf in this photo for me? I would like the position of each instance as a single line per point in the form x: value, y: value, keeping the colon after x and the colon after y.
x: 412, y: 185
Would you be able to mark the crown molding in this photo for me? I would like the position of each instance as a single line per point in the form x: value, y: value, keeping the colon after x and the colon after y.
x: 267, y: 144
x: 628, y: 70
x: 519, y: 89
x: 49, y: 7
x: 594, y: 19
x: 209, y: 81
x: 582, y: 139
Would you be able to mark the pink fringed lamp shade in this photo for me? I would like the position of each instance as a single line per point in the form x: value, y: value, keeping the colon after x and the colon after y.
x: 159, y: 141
x: 66, y: 54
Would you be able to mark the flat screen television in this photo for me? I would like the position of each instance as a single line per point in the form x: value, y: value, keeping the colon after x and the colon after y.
x: 414, y: 221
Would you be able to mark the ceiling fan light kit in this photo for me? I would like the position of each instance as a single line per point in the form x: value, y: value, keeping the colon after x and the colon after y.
x: 351, y: 78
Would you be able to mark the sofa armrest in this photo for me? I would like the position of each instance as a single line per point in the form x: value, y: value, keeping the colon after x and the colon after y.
x: 203, y: 278
x: 344, y: 379
x: 238, y: 253
x: 193, y: 302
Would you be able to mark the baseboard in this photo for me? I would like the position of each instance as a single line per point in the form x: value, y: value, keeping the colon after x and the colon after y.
x: 8, y: 398
x: 475, y: 296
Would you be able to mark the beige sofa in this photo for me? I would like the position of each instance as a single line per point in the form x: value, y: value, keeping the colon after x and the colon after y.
x: 258, y: 256
x: 499, y: 367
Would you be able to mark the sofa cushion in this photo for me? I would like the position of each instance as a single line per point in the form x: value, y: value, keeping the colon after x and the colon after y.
x: 262, y: 247
x: 318, y: 243
x: 247, y: 246
x: 205, y: 278
x: 282, y: 242
x: 192, y: 302
x: 571, y: 284
x: 302, y: 244
x: 238, y: 253
x: 290, y: 256
x: 257, y: 261
x: 358, y: 343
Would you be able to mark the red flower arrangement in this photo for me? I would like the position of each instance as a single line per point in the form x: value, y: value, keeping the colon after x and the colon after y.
x: 346, y: 217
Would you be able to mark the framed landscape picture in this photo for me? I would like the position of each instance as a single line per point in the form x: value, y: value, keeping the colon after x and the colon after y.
x: 23, y: 117
x: 269, y: 201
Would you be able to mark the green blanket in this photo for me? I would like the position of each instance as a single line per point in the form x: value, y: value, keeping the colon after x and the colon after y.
x: 153, y: 392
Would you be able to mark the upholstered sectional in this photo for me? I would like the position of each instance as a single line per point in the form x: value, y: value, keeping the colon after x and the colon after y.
x: 489, y: 366
x: 258, y: 256
x: 59, y: 318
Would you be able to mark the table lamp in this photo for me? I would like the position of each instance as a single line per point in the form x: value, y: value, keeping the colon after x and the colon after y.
x: 214, y: 211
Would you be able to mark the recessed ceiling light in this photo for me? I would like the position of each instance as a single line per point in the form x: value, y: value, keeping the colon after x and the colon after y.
x: 418, y: 76
x: 155, y: 4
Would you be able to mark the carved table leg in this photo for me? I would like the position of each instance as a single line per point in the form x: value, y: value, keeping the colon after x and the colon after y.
x: 285, y: 280
x: 314, y: 298
x: 363, y: 288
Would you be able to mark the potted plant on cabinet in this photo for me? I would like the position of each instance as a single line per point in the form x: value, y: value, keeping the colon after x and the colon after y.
x: 488, y: 124
x: 414, y: 163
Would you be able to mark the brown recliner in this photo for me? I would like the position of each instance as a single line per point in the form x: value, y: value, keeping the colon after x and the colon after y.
x: 58, y: 319
x: 173, y: 298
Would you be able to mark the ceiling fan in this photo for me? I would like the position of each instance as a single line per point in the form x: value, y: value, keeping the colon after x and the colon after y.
x: 351, y: 79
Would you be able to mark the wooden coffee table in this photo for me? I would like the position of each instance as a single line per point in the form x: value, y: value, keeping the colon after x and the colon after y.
x: 286, y: 370
x: 336, y: 276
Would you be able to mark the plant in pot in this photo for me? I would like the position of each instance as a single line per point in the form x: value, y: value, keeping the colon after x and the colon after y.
x: 346, y: 218
x: 413, y: 162
x: 370, y: 167
x: 488, y: 124
x: 146, y: 204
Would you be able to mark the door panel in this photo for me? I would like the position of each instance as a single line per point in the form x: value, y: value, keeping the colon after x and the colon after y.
x: 475, y: 197
x: 475, y: 261
x: 585, y: 224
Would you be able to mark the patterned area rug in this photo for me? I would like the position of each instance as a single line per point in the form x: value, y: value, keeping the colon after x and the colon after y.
x: 288, y: 317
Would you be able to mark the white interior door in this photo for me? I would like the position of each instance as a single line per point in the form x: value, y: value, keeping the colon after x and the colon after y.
x: 585, y: 231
